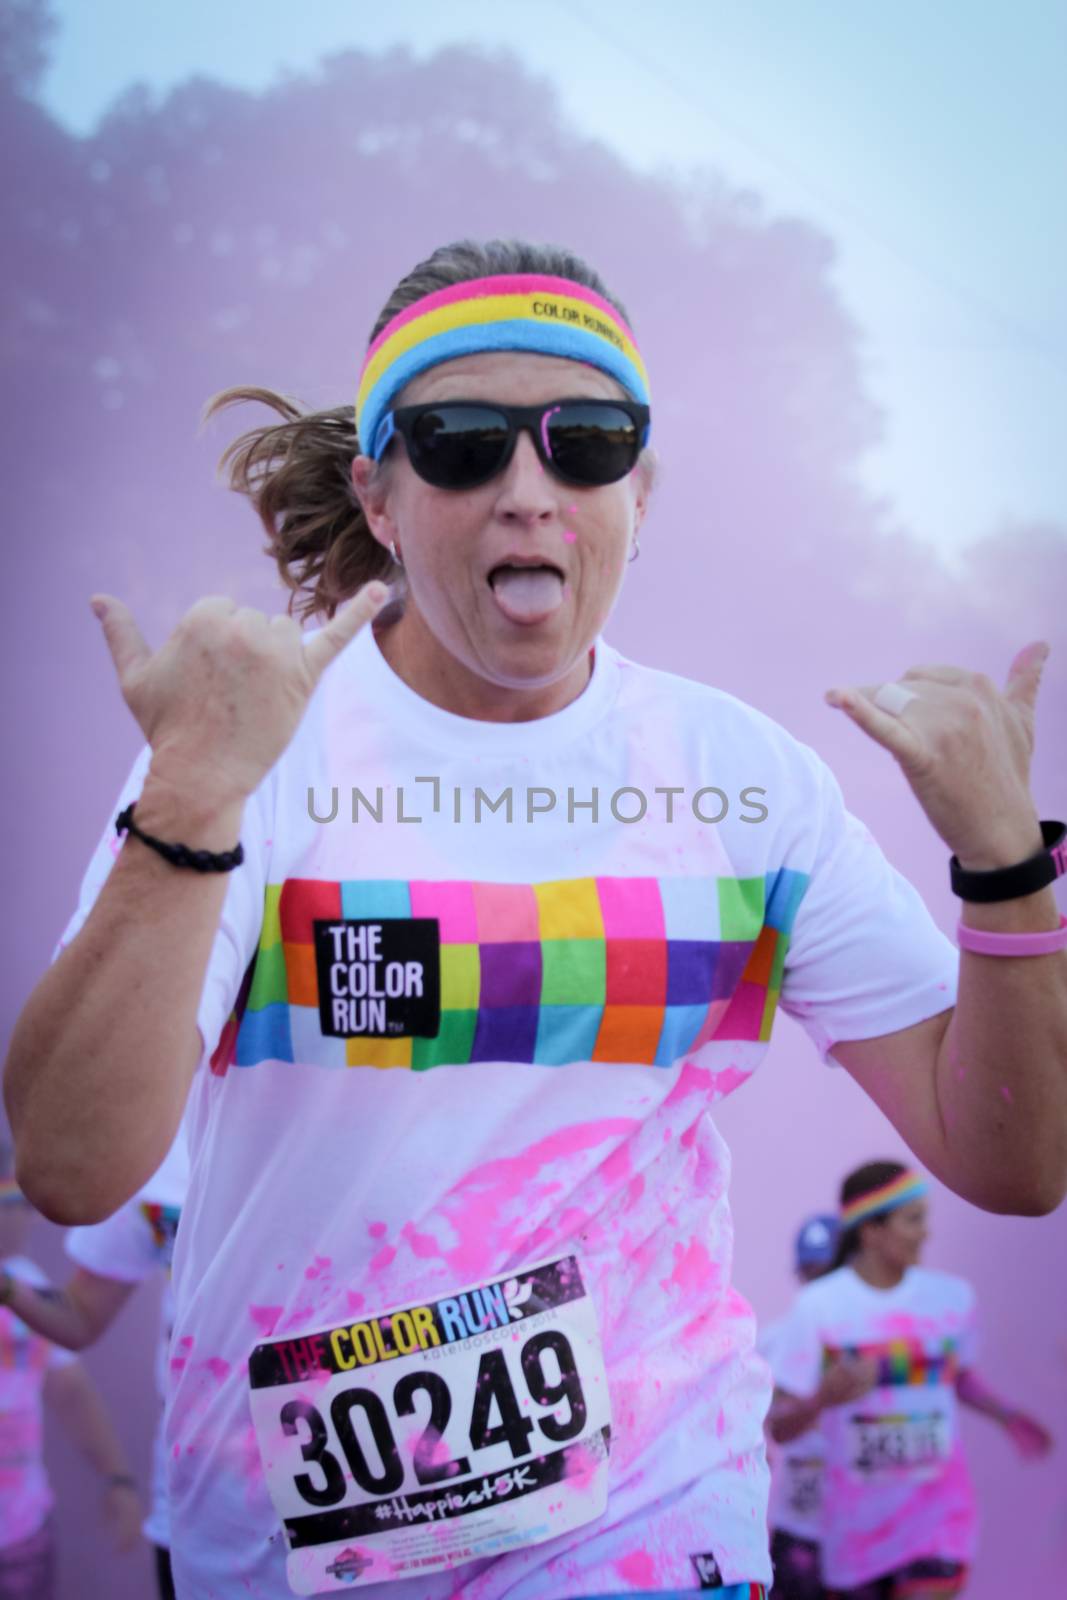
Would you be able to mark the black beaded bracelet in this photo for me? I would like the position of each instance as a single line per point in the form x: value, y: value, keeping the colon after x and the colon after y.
x: 179, y: 855
x: 1011, y: 883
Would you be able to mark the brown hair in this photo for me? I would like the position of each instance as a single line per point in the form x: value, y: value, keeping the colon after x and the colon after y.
x: 296, y: 472
x: 864, y: 1180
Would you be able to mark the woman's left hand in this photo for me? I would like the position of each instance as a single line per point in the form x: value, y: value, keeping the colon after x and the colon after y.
x: 123, y: 1513
x: 965, y: 748
x: 1030, y: 1438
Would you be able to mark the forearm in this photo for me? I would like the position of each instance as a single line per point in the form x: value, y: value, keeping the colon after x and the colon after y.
x: 1002, y: 1068
x: 102, y: 1056
x: 82, y: 1413
x: 972, y: 1391
x: 49, y: 1312
x: 792, y: 1415
x: 74, y: 1316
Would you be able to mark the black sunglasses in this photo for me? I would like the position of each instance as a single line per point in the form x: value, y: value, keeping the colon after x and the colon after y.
x: 460, y: 444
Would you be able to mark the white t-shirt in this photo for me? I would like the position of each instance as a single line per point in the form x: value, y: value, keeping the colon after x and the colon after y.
x: 897, y: 1486
x: 25, y: 1360
x: 796, y: 1467
x: 469, y: 1046
x: 132, y: 1246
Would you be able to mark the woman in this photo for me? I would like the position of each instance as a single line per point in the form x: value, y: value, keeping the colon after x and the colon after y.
x: 512, y: 911
x: 36, y: 1376
x: 898, y: 1512
x: 112, y: 1258
x: 795, y: 1512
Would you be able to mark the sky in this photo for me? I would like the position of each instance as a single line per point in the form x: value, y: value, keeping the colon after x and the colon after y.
x: 928, y: 142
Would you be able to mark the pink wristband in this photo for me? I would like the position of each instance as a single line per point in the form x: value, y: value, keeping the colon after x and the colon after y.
x: 984, y: 943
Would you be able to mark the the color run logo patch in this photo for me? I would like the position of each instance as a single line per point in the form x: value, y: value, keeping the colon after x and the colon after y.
x: 424, y: 1437
x: 381, y: 979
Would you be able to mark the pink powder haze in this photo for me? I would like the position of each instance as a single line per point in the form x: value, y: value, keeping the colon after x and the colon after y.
x: 224, y: 238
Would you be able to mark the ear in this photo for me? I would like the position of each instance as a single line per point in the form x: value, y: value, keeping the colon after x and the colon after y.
x: 643, y: 478
x: 370, y: 485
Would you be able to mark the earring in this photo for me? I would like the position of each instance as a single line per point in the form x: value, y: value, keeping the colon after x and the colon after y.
x: 635, y: 548
x: 394, y: 552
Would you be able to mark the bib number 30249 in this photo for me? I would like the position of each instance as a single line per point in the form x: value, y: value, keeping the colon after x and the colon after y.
x: 427, y: 1436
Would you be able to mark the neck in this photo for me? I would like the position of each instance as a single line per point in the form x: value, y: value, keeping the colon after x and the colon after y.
x: 448, y: 683
x: 873, y: 1270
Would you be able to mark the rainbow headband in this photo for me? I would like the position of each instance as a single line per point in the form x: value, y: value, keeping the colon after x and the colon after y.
x: 526, y: 311
x: 909, y: 1186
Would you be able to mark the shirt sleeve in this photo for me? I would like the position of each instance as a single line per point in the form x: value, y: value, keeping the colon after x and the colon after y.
x: 865, y: 956
x: 118, y: 1248
x: 795, y: 1357
x: 239, y: 925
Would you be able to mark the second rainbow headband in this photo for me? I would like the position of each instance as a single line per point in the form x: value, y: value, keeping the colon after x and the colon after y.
x: 897, y: 1192
x: 526, y: 311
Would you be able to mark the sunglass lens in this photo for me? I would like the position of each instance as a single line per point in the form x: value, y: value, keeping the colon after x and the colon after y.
x: 457, y: 447
x: 592, y: 443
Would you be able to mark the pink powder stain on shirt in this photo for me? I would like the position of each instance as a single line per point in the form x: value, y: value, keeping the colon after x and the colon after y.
x: 265, y: 1317
x: 573, y: 1220
x: 320, y: 1266
x: 377, y: 1230
x: 688, y: 1138
x: 637, y: 1568
x: 218, y: 1368
x: 726, y: 1081
x: 354, y: 1301
x: 479, y: 1206
x: 423, y: 1245
x: 692, y: 1081
x: 693, y: 1269
x: 385, y: 1258
x: 581, y: 1468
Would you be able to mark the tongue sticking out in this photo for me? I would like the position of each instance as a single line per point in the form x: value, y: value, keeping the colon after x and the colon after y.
x: 527, y: 592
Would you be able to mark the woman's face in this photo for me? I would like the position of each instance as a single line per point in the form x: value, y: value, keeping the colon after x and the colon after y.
x: 462, y: 629
x: 901, y: 1237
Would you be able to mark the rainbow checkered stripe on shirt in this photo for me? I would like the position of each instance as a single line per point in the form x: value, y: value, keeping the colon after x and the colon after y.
x: 905, y: 1361
x: 606, y: 969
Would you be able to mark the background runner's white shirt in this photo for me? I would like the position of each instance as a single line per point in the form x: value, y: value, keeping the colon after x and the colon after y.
x: 25, y: 1361
x: 132, y: 1246
x: 797, y: 1467
x: 602, y: 984
x: 896, y: 1485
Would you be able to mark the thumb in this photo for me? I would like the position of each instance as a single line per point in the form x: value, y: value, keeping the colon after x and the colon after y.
x: 342, y: 628
x: 124, y: 638
x: 1024, y: 674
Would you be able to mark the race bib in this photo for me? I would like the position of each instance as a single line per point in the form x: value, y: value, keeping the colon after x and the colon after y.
x: 803, y: 1493
x: 896, y: 1442
x: 426, y: 1436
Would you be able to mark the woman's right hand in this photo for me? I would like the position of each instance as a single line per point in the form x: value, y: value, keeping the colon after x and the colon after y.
x: 847, y: 1379
x: 221, y: 699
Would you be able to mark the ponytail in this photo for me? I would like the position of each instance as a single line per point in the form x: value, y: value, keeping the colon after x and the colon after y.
x: 297, y: 475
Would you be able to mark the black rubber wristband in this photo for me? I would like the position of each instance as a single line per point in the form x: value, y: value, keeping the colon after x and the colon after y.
x: 1011, y: 883
x: 179, y: 855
